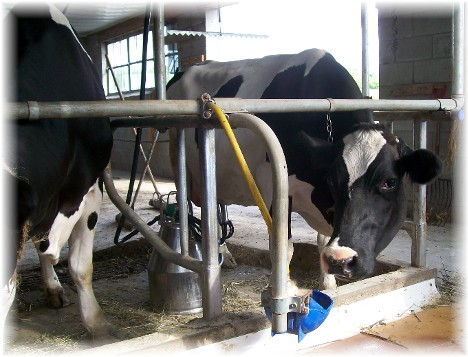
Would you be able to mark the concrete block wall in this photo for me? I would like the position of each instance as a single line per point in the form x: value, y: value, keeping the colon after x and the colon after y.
x: 416, y: 60
x: 416, y: 63
x: 414, y: 49
x: 122, y: 152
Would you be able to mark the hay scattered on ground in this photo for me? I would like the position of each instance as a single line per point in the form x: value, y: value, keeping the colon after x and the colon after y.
x: 451, y: 286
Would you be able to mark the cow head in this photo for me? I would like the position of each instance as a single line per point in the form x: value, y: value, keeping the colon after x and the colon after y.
x: 364, y: 173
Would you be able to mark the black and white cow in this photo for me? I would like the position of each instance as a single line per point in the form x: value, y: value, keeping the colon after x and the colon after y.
x: 54, y: 166
x: 350, y: 192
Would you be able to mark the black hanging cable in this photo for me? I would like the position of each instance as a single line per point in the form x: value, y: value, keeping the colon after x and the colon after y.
x: 225, y: 223
x: 139, y: 130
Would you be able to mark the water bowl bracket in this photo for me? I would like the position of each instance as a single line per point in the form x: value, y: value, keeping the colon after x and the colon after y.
x: 298, y: 304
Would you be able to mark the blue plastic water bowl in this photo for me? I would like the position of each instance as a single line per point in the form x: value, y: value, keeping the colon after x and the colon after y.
x: 299, y: 324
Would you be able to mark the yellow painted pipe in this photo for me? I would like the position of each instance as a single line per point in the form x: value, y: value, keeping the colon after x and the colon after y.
x: 243, y: 165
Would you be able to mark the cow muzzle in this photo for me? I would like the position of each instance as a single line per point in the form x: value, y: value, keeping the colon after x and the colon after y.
x: 341, y: 261
x: 342, y: 267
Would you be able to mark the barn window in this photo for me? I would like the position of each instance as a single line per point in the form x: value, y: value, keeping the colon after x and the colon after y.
x: 125, y: 57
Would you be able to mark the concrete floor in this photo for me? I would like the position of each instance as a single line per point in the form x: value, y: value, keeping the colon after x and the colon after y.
x: 436, y: 330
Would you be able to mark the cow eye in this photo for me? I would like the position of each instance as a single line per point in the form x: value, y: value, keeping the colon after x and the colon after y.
x: 390, y: 184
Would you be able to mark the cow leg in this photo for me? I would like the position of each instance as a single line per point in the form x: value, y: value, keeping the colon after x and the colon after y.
x: 81, y: 266
x: 55, y: 296
x: 293, y: 289
x: 327, y: 281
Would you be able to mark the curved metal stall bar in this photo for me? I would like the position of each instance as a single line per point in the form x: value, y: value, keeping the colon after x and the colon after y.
x: 279, y: 236
x: 211, y: 271
x: 184, y: 261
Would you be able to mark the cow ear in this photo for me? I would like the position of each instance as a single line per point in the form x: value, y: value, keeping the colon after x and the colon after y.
x: 311, y: 144
x: 320, y: 152
x: 421, y: 165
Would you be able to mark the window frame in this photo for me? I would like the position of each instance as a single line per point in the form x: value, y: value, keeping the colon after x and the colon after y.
x: 171, y: 51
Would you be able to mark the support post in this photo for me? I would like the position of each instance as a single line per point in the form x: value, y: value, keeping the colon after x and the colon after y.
x: 418, y: 247
x: 159, y: 53
x: 211, y: 269
x: 365, y: 49
x: 182, y: 192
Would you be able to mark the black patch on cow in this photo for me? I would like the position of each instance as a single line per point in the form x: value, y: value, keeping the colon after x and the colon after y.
x: 60, y: 160
x: 101, y: 184
x: 43, y: 245
x: 178, y: 75
x: 92, y: 220
x: 230, y: 88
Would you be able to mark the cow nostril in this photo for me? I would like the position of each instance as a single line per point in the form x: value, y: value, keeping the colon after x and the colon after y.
x: 349, y: 265
x: 345, y: 267
x: 43, y: 245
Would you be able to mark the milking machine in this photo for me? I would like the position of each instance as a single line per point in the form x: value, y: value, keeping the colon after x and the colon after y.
x: 174, y: 289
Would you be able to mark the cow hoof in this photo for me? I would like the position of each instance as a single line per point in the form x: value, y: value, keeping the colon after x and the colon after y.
x: 228, y: 260
x: 56, y: 298
x: 105, y: 335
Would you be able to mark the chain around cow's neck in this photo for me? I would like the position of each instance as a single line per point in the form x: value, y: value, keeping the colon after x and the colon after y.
x: 329, y: 128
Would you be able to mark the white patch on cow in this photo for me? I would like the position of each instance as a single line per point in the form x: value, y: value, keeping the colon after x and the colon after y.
x: 63, y: 226
x: 301, y: 192
x: 61, y: 19
x: 360, y: 150
x: 60, y: 232
x: 257, y: 74
x: 326, y: 281
x: 337, y: 252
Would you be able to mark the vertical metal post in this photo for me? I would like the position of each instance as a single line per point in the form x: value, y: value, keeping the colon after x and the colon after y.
x: 458, y: 48
x: 160, y: 87
x: 279, y: 245
x: 211, y: 271
x: 365, y: 48
x: 418, y: 248
x: 182, y: 192
x: 159, y: 53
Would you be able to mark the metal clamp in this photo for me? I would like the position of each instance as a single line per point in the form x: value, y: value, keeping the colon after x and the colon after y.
x: 205, y: 111
x: 298, y: 304
x: 34, y: 111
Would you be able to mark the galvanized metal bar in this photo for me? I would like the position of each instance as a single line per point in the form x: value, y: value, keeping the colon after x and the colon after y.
x: 211, y: 272
x: 419, y: 237
x: 279, y: 236
x: 458, y: 47
x: 365, y: 48
x: 182, y: 192
x: 146, y: 168
x: 158, y: 47
x: 184, y: 261
x: 90, y: 109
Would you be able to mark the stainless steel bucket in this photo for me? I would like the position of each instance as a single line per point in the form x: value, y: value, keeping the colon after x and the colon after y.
x: 174, y: 289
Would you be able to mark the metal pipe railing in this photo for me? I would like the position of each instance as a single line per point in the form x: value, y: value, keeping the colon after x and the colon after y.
x: 419, y: 224
x: 92, y: 109
x: 211, y: 272
x: 279, y: 236
x: 163, y: 249
x: 210, y: 269
x: 458, y: 48
x: 365, y: 48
